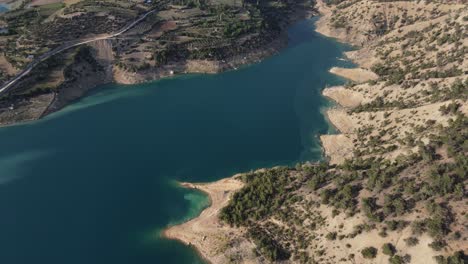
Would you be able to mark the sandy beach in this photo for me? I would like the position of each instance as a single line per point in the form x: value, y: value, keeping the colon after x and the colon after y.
x: 206, y: 233
x: 358, y: 75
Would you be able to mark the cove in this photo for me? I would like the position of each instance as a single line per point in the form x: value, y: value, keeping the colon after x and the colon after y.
x: 95, y: 182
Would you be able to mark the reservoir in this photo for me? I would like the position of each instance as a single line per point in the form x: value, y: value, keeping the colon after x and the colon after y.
x: 96, y: 182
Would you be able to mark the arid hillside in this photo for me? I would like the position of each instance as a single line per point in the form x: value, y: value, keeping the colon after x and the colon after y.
x: 394, y: 189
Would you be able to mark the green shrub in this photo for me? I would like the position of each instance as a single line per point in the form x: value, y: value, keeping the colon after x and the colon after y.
x: 388, y: 249
x: 267, y: 246
x: 369, y: 252
x: 438, y: 245
x: 262, y: 195
x: 411, y: 241
x: 396, y: 260
x: 458, y: 257
x: 418, y: 227
x: 331, y: 236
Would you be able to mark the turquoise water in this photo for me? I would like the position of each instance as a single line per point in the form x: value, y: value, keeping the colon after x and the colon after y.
x: 3, y: 8
x: 96, y: 182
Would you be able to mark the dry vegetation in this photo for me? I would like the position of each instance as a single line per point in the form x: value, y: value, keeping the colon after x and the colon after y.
x: 394, y: 190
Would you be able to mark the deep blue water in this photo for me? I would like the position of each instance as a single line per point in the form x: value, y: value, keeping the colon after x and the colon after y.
x: 95, y: 183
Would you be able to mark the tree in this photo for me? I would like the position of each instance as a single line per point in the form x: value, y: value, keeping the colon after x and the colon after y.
x: 369, y: 252
x: 411, y: 241
x: 458, y: 257
x: 331, y: 236
x: 438, y: 245
x: 399, y: 259
x: 388, y: 249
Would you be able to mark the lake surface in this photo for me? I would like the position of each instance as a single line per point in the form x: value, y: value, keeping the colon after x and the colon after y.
x: 95, y: 183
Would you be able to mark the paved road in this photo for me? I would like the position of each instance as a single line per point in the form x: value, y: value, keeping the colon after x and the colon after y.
x: 66, y: 46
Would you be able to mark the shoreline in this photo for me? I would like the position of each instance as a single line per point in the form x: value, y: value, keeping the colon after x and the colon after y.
x: 165, y: 72
x: 179, y: 231
x: 163, y: 234
x: 181, y: 68
x: 338, y: 147
x: 74, y: 91
x: 205, y: 233
x: 204, y: 66
x: 344, y: 144
x: 369, y: 121
x: 237, y: 63
x: 356, y: 74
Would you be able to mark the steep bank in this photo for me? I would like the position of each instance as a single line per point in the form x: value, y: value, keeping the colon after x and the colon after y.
x: 212, y: 238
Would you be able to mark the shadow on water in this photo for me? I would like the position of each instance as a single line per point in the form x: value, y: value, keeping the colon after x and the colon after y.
x: 94, y: 183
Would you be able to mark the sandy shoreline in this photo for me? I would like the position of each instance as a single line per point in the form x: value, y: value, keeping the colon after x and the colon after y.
x: 206, y: 233
x: 174, y: 236
x: 339, y: 147
x: 358, y: 75
x: 394, y: 121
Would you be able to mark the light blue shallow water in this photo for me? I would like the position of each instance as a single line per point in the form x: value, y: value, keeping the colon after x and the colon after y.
x: 95, y: 183
x: 3, y: 8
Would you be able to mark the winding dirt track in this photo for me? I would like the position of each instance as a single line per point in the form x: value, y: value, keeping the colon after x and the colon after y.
x: 4, y: 88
